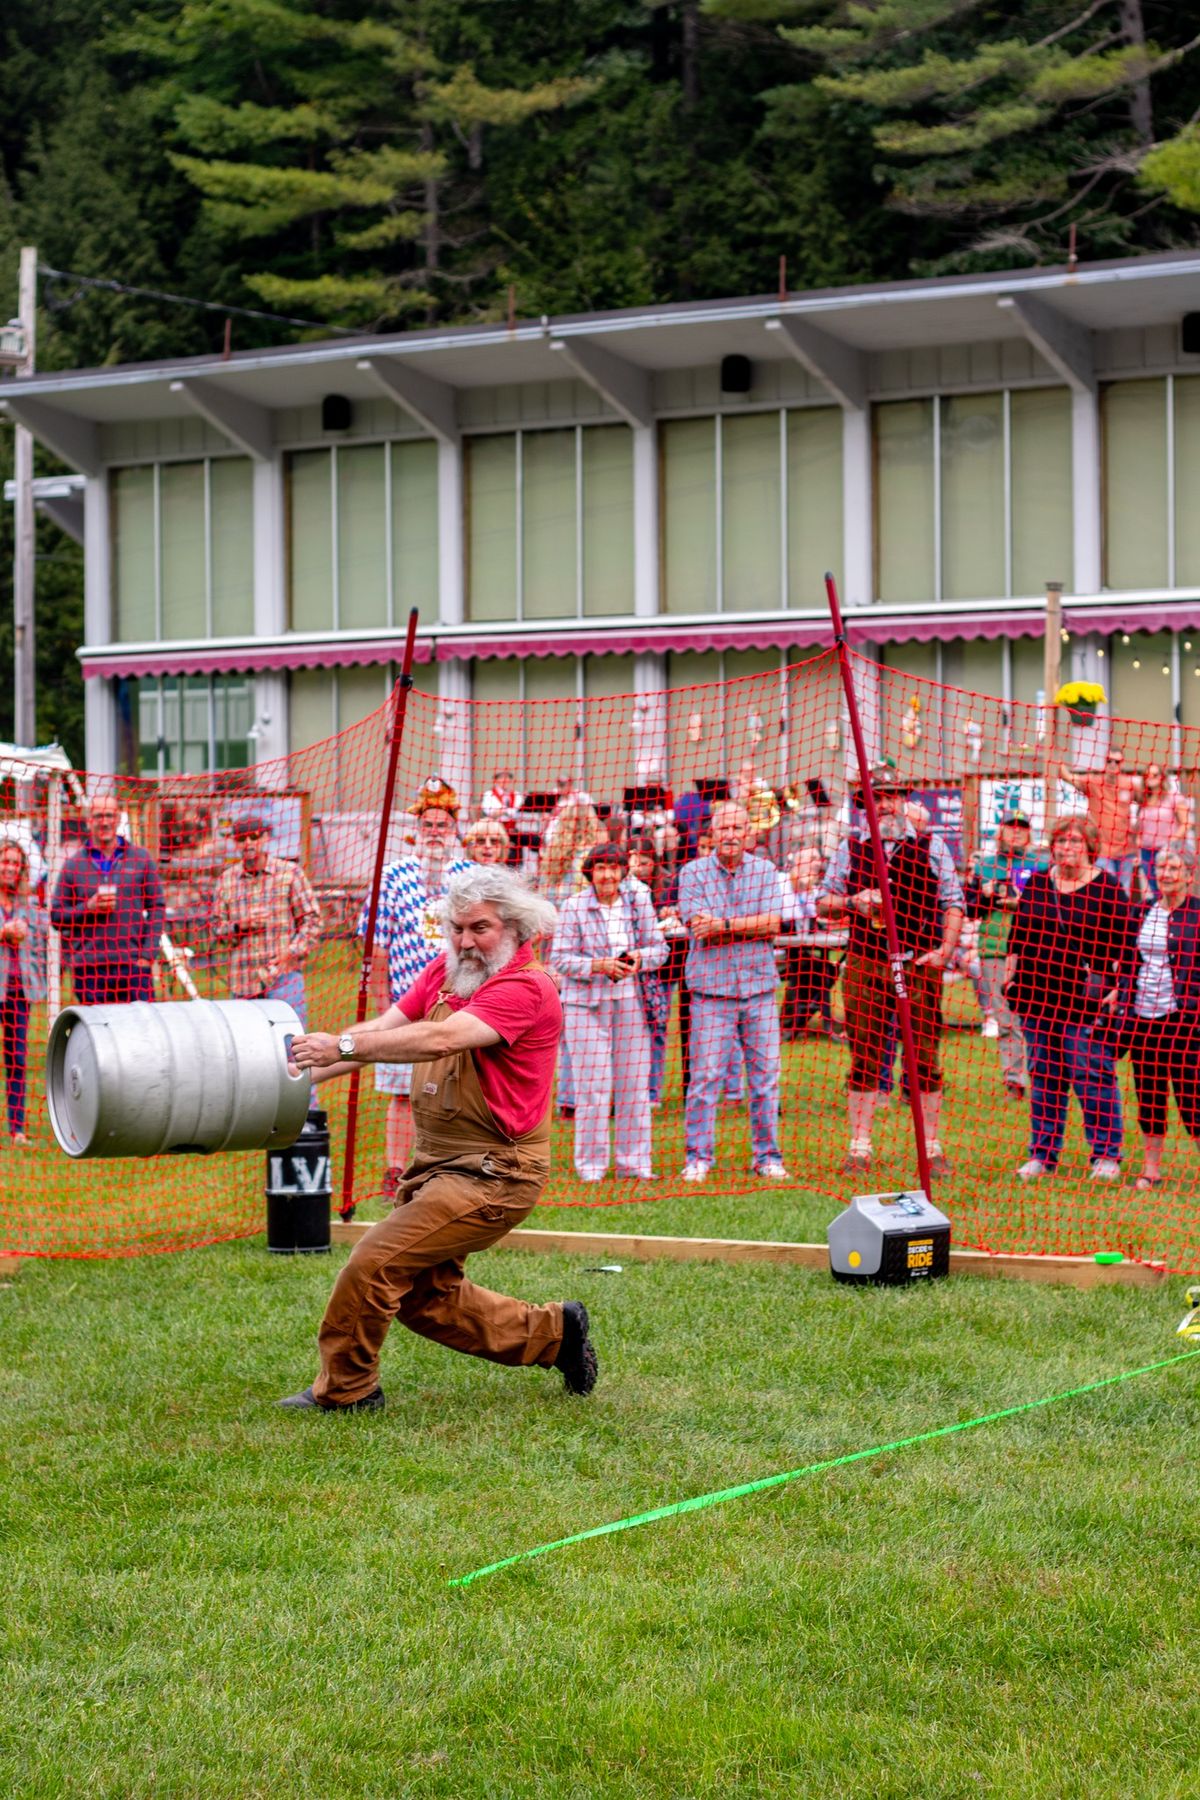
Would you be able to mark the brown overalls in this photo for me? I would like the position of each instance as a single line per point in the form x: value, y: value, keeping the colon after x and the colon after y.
x: 465, y: 1186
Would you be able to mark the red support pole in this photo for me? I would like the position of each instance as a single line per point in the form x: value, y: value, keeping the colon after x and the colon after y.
x: 895, y: 954
x: 395, y: 734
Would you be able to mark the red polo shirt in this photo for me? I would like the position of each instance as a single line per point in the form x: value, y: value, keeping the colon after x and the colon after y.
x: 516, y: 1074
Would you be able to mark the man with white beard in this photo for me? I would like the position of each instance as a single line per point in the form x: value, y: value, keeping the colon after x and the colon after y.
x: 408, y: 935
x: 928, y: 904
x: 481, y: 1024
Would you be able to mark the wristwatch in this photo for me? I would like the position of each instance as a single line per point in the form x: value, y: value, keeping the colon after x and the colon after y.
x: 346, y: 1045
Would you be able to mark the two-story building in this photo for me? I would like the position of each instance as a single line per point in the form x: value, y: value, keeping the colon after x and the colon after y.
x: 634, y: 501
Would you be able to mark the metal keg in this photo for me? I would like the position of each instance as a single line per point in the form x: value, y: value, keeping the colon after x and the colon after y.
x: 158, y: 1080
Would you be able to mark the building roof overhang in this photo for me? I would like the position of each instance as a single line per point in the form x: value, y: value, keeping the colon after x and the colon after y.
x: 830, y: 330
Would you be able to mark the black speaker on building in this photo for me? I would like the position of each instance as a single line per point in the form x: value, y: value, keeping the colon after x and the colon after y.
x: 337, y: 413
x: 1189, y: 334
x: 737, y: 375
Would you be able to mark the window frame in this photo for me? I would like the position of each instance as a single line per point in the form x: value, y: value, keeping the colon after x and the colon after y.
x: 937, y: 597
x: 518, y: 433
x: 114, y: 535
x: 389, y: 445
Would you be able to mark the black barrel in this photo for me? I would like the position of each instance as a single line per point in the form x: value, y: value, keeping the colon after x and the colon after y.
x: 299, y: 1184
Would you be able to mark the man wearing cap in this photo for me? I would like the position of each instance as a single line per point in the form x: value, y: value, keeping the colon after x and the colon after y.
x: 408, y: 935
x: 266, y: 908
x: 992, y: 896
x: 928, y: 903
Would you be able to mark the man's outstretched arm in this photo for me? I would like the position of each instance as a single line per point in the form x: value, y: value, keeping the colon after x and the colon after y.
x: 383, y: 1041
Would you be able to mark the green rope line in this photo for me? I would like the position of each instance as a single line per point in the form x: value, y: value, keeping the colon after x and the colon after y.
x: 700, y: 1501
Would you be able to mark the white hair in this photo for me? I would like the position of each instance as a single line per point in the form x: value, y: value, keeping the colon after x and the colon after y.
x: 527, y: 914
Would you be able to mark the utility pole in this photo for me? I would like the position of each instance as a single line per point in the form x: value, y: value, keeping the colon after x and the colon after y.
x: 1051, y: 676
x: 24, y: 646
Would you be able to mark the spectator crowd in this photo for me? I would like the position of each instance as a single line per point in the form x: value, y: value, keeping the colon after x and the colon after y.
x: 724, y: 923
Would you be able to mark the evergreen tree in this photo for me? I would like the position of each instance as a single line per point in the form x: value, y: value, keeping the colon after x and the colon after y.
x: 1005, y: 128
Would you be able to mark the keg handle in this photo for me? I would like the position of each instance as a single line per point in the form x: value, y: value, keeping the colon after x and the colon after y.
x: 293, y: 1073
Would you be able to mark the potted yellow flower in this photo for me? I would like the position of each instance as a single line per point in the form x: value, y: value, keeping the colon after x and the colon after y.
x: 1081, y: 698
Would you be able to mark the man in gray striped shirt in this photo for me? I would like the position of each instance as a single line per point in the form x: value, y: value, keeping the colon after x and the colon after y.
x: 731, y: 904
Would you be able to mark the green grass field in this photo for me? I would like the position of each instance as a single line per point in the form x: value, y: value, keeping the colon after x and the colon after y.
x: 207, y: 1597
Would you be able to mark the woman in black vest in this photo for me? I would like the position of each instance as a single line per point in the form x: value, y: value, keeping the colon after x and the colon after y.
x: 1163, y: 1019
x: 1071, y: 947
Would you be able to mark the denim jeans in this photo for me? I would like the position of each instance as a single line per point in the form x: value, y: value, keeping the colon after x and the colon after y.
x: 14, y: 1022
x: 290, y: 989
x: 1120, y: 868
x: 720, y: 1029
x: 1062, y: 1057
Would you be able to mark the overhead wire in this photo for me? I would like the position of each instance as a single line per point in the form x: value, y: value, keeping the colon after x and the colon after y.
x: 109, y: 284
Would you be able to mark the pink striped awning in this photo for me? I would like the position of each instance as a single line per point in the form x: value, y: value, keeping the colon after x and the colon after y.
x: 801, y: 631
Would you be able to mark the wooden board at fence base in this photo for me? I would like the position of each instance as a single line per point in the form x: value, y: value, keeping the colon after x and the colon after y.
x: 1070, y: 1271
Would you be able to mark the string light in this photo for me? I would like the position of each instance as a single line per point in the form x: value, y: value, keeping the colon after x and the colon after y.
x: 1124, y: 637
x: 1166, y: 668
x: 1137, y: 662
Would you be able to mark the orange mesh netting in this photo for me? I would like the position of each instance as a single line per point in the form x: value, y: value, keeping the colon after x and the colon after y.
x: 1059, y: 1028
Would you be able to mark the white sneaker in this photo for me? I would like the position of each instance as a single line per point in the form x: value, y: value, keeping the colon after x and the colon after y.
x: 696, y: 1171
x: 772, y: 1171
x: 991, y: 1028
x: 1105, y: 1170
x: 1033, y: 1170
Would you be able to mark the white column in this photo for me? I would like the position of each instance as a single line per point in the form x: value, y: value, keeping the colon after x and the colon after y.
x: 99, y: 697
x: 856, y: 578
x: 1085, y: 492
x: 451, y: 529
x: 646, y: 562
x: 270, y: 610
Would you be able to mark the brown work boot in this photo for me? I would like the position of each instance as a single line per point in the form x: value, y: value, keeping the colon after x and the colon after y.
x: 856, y: 1162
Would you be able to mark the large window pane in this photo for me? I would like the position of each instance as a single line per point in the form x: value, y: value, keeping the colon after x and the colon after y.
x: 1139, y: 687
x: 750, y: 501
x: 233, y: 705
x: 310, y: 541
x: 814, y: 498
x: 611, y: 749
x: 194, y: 744
x: 1187, y: 482
x: 147, y: 727
x: 1135, y: 484
x: 907, y: 671
x: 1042, y: 517
x: 496, y: 723
x: 552, y: 748
x: 415, y: 530
x: 134, y: 578
x: 184, y: 604
x: 310, y: 707
x: 492, y: 527
x: 362, y: 537
x: 607, y: 519
x: 548, y: 501
x: 231, y: 503
x: 689, y: 521
x: 695, y: 718
x: 972, y: 446
x: 904, y: 503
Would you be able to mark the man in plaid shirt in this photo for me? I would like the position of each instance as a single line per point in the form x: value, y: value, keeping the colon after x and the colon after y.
x: 266, y: 906
x: 408, y: 935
